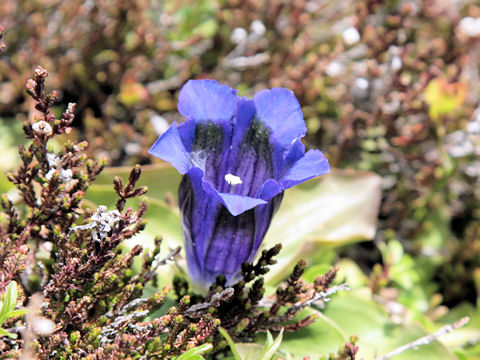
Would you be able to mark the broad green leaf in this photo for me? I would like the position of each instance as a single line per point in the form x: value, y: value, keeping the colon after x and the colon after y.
x: 11, y: 135
x: 193, y: 357
x: 322, y: 337
x: 161, y: 178
x: 333, y: 210
x: 313, y: 271
x: 358, y: 315
x: 466, y: 335
x: 349, y: 272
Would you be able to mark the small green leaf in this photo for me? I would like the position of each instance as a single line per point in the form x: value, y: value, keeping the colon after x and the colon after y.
x: 269, y: 339
x: 15, y: 313
x: 271, y: 349
x: 11, y: 296
x: 9, y: 301
x: 249, y: 351
x: 207, y: 29
x: 6, y: 333
x: 443, y: 97
x: 195, y: 353
x: 227, y: 337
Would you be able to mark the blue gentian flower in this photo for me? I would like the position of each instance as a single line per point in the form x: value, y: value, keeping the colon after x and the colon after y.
x: 237, y: 156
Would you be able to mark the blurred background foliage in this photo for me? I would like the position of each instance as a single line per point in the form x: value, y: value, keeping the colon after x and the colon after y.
x: 386, y: 86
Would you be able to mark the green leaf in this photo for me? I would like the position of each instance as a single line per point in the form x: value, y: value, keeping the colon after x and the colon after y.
x: 349, y: 272
x: 271, y: 349
x: 207, y: 29
x: 322, y: 337
x: 466, y: 335
x: 331, y: 211
x: 443, y: 97
x: 11, y: 135
x: 248, y: 351
x: 6, y: 333
x: 230, y: 342
x: 9, y: 301
x: 18, y: 312
x: 358, y: 315
x: 269, y: 340
x: 195, y: 353
x: 313, y: 271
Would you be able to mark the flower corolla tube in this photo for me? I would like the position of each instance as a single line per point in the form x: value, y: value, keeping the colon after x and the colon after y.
x: 237, y: 156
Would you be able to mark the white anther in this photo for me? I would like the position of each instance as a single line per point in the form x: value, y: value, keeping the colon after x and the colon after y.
x: 233, y: 179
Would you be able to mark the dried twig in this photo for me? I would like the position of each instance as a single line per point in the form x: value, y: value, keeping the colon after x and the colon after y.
x: 426, y: 339
x: 243, y: 62
x: 196, y: 310
x: 321, y: 296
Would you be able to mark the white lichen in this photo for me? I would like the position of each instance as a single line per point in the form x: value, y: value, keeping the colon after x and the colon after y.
x: 42, y: 127
x: 238, y: 35
x: 335, y: 69
x: 470, y: 26
x: 66, y: 175
x: 102, y: 222
x: 351, y: 36
x: 55, y: 163
x: 258, y: 28
x: 53, y: 160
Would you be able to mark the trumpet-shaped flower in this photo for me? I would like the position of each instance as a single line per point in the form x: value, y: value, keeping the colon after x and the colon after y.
x: 237, y: 156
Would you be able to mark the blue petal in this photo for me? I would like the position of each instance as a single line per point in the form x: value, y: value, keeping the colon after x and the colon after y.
x: 263, y: 217
x: 169, y: 147
x: 207, y: 100
x: 230, y: 245
x: 313, y: 164
x: 187, y: 133
x: 279, y: 109
x: 250, y: 154
x: 269, y: 189
x: 296, y: 152
x: 187, y: 198
x: 216, y: 241
x: 243, y: 118
x: 238, y: 204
